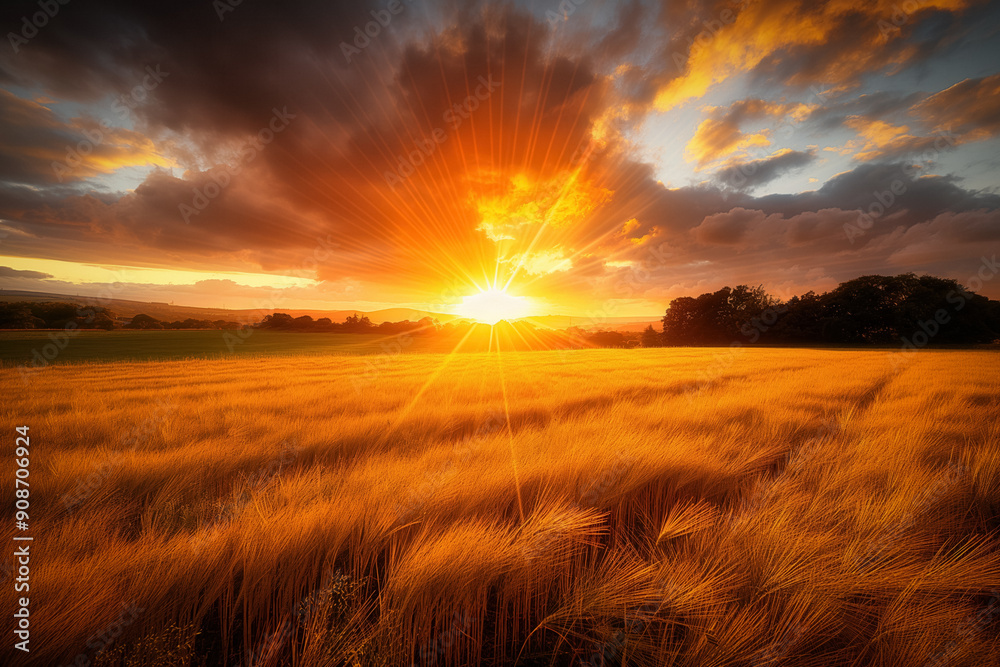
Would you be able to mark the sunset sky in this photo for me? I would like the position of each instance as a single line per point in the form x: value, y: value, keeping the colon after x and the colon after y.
x: 592, y: 156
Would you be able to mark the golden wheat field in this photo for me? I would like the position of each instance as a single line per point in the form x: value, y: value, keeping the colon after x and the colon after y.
x: 586, y: 507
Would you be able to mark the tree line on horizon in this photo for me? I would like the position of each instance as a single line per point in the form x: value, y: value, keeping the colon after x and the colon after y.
x: 870, y: 310
x: 352, y: 324
x: 63, y: 315
x: 54, y: 315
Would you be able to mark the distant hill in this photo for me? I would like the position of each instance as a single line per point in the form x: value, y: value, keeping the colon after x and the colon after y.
x: 169, y: 313
x: 589, y: 323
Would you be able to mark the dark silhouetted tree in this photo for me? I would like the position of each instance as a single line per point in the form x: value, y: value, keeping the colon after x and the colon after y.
x: 651, y: 337
x: 277, y: 321
x: 143, y: 321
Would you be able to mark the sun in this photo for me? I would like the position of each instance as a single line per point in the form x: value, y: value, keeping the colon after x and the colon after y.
x: 492, y: 305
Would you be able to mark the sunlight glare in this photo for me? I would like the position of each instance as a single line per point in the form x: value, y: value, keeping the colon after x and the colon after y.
x: 493, y: 305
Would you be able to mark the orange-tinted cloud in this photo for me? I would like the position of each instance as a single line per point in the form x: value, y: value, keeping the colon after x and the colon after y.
x: 750, y: 174
x: 832, y: 43
x: 39, y: 147
x: 970, y: 108
x: 720, y: 135
x: 965, y: 112
x: 7, y: 272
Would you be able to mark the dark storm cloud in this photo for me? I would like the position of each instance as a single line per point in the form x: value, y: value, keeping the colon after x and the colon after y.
x: 623, y: 38
x: 675, y: 212
x: 8, y: 272
x: 41, y: 149
x: 923, y: 197
x: 224, y: 72
x: 748, y: 175
x: 970, y: 108
x: 873, y: 106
